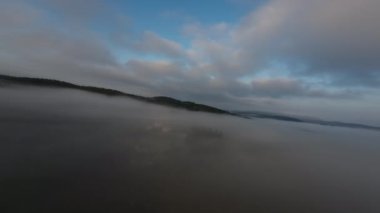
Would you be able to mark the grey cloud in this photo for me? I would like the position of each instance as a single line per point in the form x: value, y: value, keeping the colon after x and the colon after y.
x: 287, y: 87
x: 277, y: 87
x: 291, y: 31
x: 16, y: 14
x: 152, y: 43
x: 216, y: 58
x: 49, y: 50
x: 154, y: 70
x: 79, y: 11
x: 338, y: 38
x: 60, y: 51
x: 333, y: 41
x: 52, y: 45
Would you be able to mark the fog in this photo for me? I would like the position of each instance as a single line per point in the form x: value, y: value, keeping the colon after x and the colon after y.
x: 64, y: 150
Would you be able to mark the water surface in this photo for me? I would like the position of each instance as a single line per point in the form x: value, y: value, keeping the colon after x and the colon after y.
x: 63, y: 150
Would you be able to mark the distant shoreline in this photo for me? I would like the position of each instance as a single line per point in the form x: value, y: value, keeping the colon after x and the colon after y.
x: 172, y: 102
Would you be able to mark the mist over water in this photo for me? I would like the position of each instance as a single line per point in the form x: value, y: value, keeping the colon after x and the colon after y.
x: 63, y: 150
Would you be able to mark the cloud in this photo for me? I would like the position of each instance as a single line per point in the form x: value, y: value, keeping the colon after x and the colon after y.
x: 151, y: 43
x: 334, y: 43
x: 45, y: 46
x: 34, y: 45
x: 288, y: 87
x: 16, y: 15
x: 306, y: 50
x: 277, y: 87
x: 337, y: 38
x: 79, y: 11
x: 154, y: 69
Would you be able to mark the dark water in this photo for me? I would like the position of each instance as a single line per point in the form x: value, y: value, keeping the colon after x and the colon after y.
x: 71, y: 151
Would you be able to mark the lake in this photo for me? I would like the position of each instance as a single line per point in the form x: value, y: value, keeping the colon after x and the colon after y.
x: 64, y: 150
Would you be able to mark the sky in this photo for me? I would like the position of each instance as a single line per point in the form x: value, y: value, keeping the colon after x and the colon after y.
x: 312, y: 58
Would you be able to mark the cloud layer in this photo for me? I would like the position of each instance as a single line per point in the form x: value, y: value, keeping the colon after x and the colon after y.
x: 283, y: 50
x: 337, y: 38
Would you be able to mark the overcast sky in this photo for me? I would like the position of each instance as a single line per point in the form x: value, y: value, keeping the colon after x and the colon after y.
x: 317, y: 58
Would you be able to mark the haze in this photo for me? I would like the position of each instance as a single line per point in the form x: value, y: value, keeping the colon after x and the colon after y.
x: 198, y: 106
x: 318, y: 58
x: 73, y: 151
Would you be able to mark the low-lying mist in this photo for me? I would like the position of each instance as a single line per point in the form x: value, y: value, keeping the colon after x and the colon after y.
x: 63, y: 150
